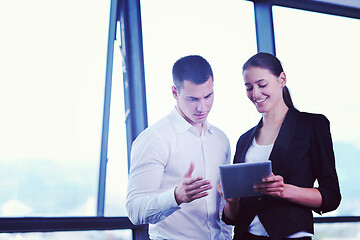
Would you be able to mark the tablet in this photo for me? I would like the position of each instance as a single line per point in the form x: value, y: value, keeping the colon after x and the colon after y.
x: 237, y: 180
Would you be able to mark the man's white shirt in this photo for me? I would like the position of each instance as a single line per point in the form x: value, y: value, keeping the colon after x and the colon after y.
x: 160, y: 157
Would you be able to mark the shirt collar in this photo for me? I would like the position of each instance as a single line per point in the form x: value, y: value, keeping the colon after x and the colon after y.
x: 182, y: 125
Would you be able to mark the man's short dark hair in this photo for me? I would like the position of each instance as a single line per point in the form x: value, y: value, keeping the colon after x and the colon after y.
x: 193, y: 68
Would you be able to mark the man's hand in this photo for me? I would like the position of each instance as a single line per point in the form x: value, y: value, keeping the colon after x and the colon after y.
x: 191, y: 188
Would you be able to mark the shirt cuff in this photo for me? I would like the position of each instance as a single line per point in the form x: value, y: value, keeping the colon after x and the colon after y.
x: 167, y: 202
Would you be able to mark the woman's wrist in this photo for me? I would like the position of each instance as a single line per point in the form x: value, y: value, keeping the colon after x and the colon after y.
x: 286, y: 192
x: 233, y: 202
x: 309, y: 197
x: 231, y: 209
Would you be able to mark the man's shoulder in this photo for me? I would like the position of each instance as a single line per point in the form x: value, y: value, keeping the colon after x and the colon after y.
x: 157, y: 129
x: 218, y: 131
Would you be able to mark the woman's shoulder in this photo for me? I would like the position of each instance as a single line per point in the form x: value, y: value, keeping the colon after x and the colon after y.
x: 315, y: 118
x: 312, y: 115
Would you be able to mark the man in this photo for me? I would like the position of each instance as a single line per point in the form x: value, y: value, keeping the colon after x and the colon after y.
x: 175, y: 163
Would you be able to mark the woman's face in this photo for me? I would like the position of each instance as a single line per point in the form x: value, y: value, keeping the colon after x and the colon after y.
x: 263, y: 88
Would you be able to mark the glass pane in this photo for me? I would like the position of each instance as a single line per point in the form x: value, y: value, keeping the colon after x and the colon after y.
x: 116, y: 176
x: 222, y: 33
x: 80, y: 235
x: 320, y: 55
x: 336, y: 231
x: 53, y: 57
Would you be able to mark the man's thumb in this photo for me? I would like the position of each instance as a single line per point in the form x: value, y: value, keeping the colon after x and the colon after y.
x: 190, y: 171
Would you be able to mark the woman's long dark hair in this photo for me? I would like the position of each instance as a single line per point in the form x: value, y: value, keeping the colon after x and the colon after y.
x: 273, y: 64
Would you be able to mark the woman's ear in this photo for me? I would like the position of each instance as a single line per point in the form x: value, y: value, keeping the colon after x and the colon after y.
x: 282, y: 79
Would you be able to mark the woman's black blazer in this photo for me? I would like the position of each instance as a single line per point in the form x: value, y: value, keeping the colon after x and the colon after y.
x: 302, y: 153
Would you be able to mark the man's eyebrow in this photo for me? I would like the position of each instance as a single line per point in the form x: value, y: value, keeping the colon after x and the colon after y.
x: 209, y: 94
x: 193, y: 98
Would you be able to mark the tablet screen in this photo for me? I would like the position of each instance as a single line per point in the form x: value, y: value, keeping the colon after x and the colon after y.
x: 237, y: 180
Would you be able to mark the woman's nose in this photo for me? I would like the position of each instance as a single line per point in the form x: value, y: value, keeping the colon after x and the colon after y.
x: 255, y: 93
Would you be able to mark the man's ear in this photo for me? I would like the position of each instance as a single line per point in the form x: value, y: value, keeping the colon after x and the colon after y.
x: 174, y: 91
x: 282, y: 79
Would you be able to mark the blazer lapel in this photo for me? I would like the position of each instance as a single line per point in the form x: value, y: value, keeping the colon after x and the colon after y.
x: 247, y: 142
x: 283, y: 141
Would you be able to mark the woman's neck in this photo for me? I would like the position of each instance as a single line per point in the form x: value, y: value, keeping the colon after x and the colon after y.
x: 272, y: 121
x: 276, y: 116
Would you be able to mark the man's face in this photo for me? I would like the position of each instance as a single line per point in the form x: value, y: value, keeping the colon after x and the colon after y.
x: 195, y: 101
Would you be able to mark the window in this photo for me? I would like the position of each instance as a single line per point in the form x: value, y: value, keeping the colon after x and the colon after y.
x: 319, y: 53
x: 82, y: 235
x: 117, y: 166
x: 53, y: 58
x: 321, y: 68
x: 222, y: 33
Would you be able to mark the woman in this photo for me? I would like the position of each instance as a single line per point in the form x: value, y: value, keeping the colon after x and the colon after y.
x: 300, y: 147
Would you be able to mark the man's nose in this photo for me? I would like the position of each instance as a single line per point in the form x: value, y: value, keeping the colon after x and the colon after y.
x: 201, y: 105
